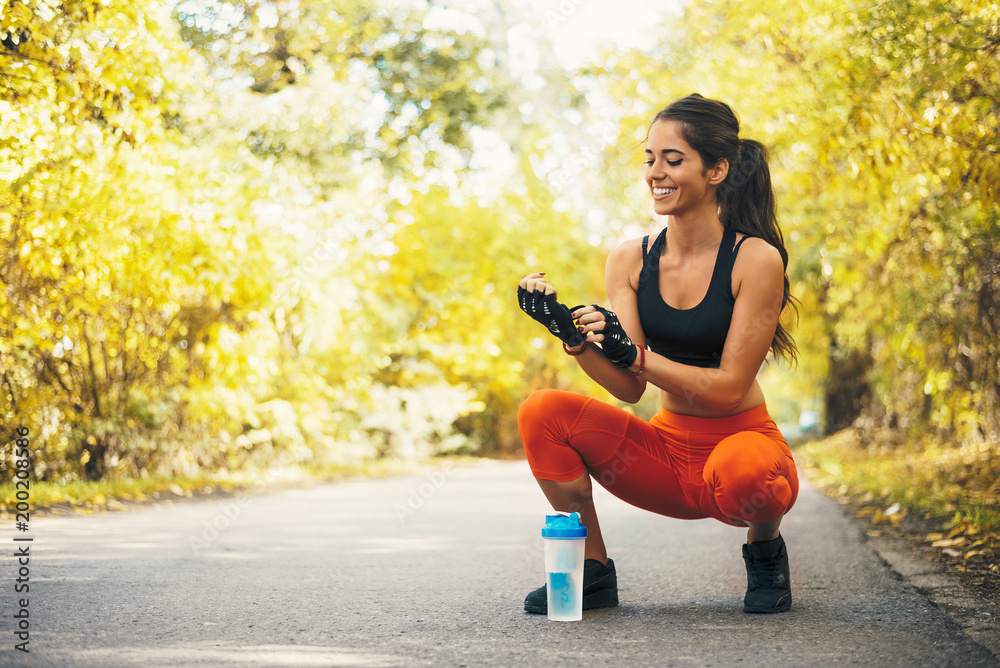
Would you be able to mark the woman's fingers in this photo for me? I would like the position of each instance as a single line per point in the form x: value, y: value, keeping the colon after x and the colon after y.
x: 536, y: 283
x: 590, y: 319
x: 591, y: 323
x: 539, y: 285
x: 527, y: 280
x: 529, y: 277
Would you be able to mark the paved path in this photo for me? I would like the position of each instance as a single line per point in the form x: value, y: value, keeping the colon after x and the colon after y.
x: 431, y: 571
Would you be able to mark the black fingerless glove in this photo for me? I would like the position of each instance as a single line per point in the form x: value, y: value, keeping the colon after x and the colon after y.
x: 554, y: 316
x: 616, y: 345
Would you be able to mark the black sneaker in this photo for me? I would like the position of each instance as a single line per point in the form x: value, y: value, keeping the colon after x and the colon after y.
x: 768, y: 585
x: 600, y: 589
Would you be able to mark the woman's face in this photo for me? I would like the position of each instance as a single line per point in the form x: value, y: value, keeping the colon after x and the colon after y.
x: 675, y: 173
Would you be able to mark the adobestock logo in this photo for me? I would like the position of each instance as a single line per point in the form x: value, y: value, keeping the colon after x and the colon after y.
x: 562, y: 12
x: 763, y: 497
x: 614, y: 468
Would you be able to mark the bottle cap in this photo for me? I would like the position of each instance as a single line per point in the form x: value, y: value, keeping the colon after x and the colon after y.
x: 563, y: 526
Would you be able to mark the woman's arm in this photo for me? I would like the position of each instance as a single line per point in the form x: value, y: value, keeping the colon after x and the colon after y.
x: 621, y: 279
x: 758, y: 284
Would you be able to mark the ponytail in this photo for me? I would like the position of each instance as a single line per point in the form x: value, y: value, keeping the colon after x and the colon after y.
x: 746, y: 198
x: 746, y: 205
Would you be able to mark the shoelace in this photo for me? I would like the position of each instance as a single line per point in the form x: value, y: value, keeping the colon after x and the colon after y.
x: 764, y: 573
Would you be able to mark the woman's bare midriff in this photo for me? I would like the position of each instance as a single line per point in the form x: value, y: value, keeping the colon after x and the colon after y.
x: 683, y: 405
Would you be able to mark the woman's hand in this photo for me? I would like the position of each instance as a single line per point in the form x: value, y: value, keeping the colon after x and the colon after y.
x: 538, y: 299
x: 536, y: 283
x: 602, y: 326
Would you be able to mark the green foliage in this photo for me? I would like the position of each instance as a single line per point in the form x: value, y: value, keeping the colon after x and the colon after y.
x: 439, y: 301
x: 220, y: 249
x: 423, y: 85
x: 90, y: 317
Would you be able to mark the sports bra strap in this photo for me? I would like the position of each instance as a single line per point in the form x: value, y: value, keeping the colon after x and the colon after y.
x: 736, y: 248
x: 645, y: 245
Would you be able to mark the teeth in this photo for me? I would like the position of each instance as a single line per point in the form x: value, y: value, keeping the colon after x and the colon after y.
x: 663, y: 191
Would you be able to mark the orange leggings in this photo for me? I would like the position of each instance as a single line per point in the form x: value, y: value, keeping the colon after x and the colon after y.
x: 736, y: 469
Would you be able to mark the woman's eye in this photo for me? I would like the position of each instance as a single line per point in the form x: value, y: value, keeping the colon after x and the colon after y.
x: 672, y: 163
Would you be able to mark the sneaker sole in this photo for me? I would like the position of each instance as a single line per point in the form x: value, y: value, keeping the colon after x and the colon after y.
x: 607, y: 598
x: 782, y: 606
x: 599, y: 599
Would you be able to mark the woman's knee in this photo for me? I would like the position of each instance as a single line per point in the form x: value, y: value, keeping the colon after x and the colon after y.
x: 534, y: 409
x: 544, y: 422
x: 751, y: 477
x: 553, y: 411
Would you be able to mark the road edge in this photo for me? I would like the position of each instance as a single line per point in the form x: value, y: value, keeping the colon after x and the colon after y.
x: 978, y: 617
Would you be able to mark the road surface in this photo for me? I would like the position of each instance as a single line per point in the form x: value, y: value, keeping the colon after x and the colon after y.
x: 431, y: 570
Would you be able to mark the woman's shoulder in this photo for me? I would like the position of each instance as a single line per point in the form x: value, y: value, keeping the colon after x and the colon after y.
x: 758, y: 262
x: 625, y: 261
x: 627, y: 252
x: 629, y: 245
x: 757, y: 252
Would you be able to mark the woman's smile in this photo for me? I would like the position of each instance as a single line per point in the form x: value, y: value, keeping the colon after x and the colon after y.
x: 663, y: 192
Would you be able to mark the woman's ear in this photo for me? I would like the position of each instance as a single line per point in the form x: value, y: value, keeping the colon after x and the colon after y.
x: 717, y: 174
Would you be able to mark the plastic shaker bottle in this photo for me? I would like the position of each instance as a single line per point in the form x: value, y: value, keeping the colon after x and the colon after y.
x: 563, y: 537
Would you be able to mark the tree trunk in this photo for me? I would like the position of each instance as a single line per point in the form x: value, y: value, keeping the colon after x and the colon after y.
x: 847, y: 391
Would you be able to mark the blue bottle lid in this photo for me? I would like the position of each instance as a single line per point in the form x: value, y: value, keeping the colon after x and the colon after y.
x: 563, y: 526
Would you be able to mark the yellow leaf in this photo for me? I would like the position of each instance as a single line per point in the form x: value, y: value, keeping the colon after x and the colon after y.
x: 898, y: 517
x: 956, y: 531
x: 949, y: 542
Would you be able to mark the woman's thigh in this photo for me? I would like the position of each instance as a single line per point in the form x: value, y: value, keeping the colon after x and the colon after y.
x: 565, y: 434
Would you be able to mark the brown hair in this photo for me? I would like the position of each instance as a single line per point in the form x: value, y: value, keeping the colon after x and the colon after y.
x: 746, y: 199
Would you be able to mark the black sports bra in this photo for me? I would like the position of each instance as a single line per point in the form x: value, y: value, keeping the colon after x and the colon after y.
x: 694, y: 336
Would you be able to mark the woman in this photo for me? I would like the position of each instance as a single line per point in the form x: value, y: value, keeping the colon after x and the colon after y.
x: 695, y: 311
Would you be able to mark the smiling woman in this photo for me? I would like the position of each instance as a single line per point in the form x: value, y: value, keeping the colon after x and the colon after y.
x: 695, y: 317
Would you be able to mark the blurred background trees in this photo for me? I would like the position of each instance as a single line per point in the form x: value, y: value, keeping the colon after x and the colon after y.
x: 256, y: 233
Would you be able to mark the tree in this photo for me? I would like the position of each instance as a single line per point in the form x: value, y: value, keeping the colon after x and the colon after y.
x: 197, y: 212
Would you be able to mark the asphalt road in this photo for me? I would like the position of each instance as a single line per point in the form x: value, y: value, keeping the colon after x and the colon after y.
x: 431, y: 570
